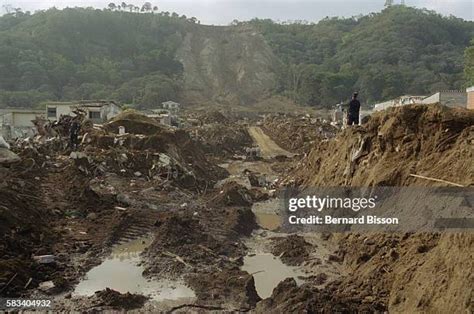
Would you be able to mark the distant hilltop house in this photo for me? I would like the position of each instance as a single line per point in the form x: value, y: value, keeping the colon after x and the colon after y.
x: 17, y: 122
x: 171, y: 105
x: 99, y: 111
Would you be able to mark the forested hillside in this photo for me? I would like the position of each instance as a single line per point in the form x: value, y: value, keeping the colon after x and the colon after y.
x: 401, y: 50
x: 145, y: 58
x: 87, y: 53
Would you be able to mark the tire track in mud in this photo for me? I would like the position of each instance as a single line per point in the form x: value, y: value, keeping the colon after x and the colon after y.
x: 268, y: 147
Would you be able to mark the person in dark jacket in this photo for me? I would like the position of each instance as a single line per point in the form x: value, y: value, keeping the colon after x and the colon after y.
x: 74, y: 134
x: 353, y: 112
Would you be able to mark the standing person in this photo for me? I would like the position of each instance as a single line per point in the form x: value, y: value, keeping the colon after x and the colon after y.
x: 74, y: 134
x: 353, y: 112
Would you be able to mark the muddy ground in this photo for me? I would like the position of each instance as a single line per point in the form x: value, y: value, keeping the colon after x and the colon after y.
x: 213, y: 220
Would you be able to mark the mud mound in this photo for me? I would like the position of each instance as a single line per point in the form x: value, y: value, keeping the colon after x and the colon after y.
x: 287, y: 297
x: 211, y: 117
x: 232, y: 194
x: 24, y: 231
x: 134, y: 123
x: 433, y: 141
x: 115, y: 299
x: 202, y: 246
x: 293, y: 250
x: 223, y: 140
x: 297, y: 134
x: 184, y: 160
x: 234, y: 287
x: 183, y: 242
x: 419, y: 272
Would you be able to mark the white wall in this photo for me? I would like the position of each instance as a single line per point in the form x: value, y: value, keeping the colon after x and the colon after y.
x: 23, y: 119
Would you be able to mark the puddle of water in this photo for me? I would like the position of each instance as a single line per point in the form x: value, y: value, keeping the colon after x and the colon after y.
x: 266, y: 214
x: 131, y: 249
x: 122, y: 272
x: 268, y: 271
x: 268, y: 221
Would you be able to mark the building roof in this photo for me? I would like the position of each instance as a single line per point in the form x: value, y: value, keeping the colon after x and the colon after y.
x: 83, y: 103
x: 20, y: 110
x: 470, y: 89
x: 169, y: 102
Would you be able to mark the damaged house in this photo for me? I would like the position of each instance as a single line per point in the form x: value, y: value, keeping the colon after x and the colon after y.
x: 99, y: 111
x: 17, y: 123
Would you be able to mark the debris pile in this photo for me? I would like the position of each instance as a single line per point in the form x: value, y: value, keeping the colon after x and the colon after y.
x: 232, y: 194
x: 292, y: 250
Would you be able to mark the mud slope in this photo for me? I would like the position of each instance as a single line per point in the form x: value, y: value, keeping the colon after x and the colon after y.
x: 433, y: 141
x: 404, y: 273
x: 226, y: 64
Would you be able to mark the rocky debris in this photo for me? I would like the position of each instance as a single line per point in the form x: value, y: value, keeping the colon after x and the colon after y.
x: 287, y: 297
x: 293, y: 250
x: 7, y: 156
x: 117, y: 300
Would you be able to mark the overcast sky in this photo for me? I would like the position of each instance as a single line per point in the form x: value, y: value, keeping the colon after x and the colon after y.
x: 222, y: 12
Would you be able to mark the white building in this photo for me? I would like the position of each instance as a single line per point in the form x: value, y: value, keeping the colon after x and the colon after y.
x: 450, y: 98
x: 17, y: 123
x: 97, y: 111
x: 470, y: 97
x: 398, y: 102
x: 171, y: 105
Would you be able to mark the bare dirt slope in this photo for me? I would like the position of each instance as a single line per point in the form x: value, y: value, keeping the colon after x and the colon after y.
x: 226, y: 64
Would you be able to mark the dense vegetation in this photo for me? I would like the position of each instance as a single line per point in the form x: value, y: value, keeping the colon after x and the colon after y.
x: 131, y: 57
x: 469, y: 64
x: 89, y: 54
x: 399, y: 51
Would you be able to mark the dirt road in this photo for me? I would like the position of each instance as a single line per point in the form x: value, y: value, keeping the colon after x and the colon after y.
x: 268, y: 147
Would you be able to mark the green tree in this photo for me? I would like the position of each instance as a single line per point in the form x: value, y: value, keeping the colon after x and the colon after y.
x: 469, y: 64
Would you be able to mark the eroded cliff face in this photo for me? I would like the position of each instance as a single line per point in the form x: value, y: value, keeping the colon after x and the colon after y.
x: 226, y: 64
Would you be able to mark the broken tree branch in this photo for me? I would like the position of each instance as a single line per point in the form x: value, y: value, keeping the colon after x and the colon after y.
x: 177, y: 257
x: 9, y: 282
x: 436, y: 180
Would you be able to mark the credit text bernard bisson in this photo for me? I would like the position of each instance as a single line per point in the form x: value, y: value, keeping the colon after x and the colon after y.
x: 319, y: 203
